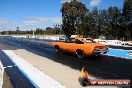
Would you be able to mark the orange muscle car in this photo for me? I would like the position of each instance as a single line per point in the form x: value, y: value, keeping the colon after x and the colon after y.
x: 81, y: 47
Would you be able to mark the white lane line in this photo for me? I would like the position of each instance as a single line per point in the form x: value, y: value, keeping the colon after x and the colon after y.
x: 38, y: 78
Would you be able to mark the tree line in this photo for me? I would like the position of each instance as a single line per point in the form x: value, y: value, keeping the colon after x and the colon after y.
x: 113, y: 23
x: 38, y: 31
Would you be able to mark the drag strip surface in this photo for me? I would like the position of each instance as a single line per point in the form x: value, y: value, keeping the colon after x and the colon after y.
x: 17, y: 79
x: 105, y: 67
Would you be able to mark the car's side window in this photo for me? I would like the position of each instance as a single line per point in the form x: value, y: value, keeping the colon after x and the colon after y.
x: 78, y: 41
x: 69, y: 40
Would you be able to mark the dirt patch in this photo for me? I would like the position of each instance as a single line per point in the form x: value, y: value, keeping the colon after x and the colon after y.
x: 6, y: 81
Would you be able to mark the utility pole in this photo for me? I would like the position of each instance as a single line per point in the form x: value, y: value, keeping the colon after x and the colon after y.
x: 33, y: 32
x: 6, y: 32
x: 17, y: 30
x: 44, y: 30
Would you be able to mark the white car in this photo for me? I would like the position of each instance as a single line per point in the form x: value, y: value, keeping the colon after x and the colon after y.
x: 101, y: 41
x: 114, y: 42
x: 130, y: 43
x: 130, y: 53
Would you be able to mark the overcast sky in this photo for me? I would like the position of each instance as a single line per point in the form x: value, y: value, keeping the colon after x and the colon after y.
x: 31, y: 14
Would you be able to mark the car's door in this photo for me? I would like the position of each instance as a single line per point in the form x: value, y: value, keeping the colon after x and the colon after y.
x: 68, y: 44
x: 72, y: 45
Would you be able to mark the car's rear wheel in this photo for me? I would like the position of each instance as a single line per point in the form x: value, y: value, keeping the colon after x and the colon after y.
x: 80, y: 54
x: 58, y: 50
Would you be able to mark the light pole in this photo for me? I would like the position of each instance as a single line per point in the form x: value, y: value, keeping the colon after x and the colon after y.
x: 17, y: 30
x: 44, y: 30
x: 6, y: 32
x: 33, y: 32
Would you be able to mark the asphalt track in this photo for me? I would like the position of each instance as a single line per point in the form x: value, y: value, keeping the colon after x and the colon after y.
x: 105, y: 67
x: 18, y: 80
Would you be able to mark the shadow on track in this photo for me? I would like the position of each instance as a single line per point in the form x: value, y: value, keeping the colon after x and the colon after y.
x: 105, y: 67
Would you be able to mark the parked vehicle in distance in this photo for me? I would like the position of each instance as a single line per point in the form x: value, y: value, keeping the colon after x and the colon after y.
x: 130, y: 43
x: 130, y: 53
x: 101, y: 41
x: 81, y: 47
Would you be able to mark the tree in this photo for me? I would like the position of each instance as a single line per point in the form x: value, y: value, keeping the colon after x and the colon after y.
x: 72, y: 14
x: 114, y: 23
x: 96, y: 23
x: 39, y: 31
x: 87, y: 25
x: 57, y: 29
x: 49, y: 30
x: 127, y: 18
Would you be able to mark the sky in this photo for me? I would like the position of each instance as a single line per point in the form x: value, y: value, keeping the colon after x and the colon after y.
x: 32, y: 14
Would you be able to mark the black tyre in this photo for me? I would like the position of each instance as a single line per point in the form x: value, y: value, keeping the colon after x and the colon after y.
x: 80, y: 54
x: 58, y: 50
x: 84, y: 81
